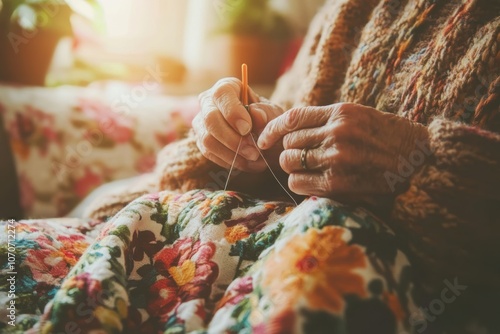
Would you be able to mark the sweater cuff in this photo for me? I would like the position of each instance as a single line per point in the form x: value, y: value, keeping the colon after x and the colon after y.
x: 181, y: 166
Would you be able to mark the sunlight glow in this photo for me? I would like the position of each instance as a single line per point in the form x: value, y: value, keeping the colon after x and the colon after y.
x: 118, y: 15
x: 144, y: 26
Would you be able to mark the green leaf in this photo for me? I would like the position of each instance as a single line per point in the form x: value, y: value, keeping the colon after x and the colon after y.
x: 51, y: 15
x: 170, y: 232
x: 122, y: 232
x: 250, y: 248
x: 160, y: 216
x: 252, y: 17
x: 242, y: 313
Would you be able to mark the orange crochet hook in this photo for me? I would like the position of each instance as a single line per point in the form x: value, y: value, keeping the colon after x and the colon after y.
x: 244, y: 79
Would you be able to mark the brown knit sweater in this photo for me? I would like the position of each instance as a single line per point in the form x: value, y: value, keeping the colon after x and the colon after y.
x: 435, y: 62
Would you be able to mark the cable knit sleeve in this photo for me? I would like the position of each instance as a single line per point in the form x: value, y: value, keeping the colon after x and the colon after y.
x: 450, y: 215
x: 181, y: 166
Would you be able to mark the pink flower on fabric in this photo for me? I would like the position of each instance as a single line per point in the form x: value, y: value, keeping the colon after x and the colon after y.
x: 188, y: 274
x: 22, y: 127
x: 44, y: 125
x: 84, y: 283
x: 179, y: 122
x: 117, y: 127
x: 44, y: 242
x: 32, y: 128
x: 47, y: 265
x: 50, y: 134
x: 118, y: 132
x: 152, y: 196
x: 88, y: 182
x: 237, y: 291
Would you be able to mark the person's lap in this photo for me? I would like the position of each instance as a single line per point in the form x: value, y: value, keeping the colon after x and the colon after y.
x: 216, y: 262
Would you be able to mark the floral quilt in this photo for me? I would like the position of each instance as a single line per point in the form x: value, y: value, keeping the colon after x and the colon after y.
x: 206, y: 262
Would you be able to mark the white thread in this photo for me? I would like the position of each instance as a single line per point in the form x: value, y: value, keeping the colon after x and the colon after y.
x: 232, y: 165
x: 267, y: 164
x: 270, y: 169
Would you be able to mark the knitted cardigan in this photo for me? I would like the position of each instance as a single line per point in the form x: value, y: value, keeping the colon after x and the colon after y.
x: 436, y: 62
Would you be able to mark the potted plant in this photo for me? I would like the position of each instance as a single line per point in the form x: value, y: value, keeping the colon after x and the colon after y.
x: 30, y: 31
x: 252, y: 32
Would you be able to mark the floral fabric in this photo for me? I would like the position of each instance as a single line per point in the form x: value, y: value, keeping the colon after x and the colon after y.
x: 67, y: 141
x: 211, y: 262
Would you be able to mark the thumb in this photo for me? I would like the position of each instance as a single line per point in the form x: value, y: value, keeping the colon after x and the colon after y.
x: 261, y: 114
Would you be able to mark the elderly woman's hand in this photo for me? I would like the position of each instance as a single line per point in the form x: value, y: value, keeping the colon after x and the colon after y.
x: 353, y: 152
x: 223, y: 120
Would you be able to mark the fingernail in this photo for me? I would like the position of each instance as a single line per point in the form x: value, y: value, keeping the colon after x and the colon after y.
x: 250, y: 153
x: 261, y: 143
x: 243, y: 127
x: 261, y: 113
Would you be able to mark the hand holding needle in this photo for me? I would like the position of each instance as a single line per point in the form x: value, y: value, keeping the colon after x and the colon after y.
x: 244, y: 101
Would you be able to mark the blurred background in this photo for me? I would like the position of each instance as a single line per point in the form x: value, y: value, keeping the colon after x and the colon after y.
x: 91, y: 90
x: 54, y: 42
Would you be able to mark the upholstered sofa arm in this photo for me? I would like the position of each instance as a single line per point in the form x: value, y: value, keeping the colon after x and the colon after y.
x: 10, y: 207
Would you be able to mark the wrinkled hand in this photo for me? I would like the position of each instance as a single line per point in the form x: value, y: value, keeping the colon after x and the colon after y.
x: 223, y: 120
x: 352, y: 149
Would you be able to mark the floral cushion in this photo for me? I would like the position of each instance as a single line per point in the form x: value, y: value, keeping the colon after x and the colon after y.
x: 66, y: 141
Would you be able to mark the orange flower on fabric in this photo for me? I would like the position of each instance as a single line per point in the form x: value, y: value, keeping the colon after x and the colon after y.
x: 72, y: 247
x: 236, y: 233
x: 317, y: 267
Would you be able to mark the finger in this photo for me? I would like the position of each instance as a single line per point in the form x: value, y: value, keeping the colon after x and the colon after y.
x: 304, y: 138
x: 292, y: 120
x: 243, y: 165
x: 203, y: 95
x: 254, y: 97
x: 226, y: 95
x: 262, y: 113
x: 214, y: 151
x: 290, y: 161
x: 308, y: 184
x: 212, y: 120
x: 195, y: 123
x: 217, y: 126
x: 341, y: 184
x: 230, y: 139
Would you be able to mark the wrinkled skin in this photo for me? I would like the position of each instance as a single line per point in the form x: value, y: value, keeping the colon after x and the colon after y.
x: 352, y: 148
x: 223, y: 120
